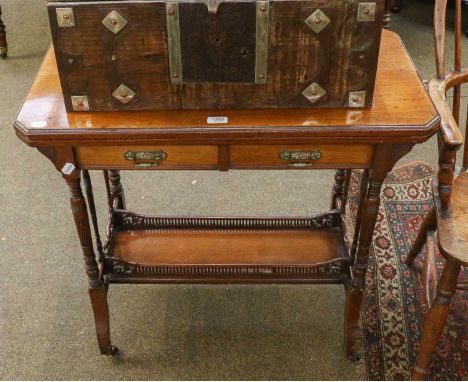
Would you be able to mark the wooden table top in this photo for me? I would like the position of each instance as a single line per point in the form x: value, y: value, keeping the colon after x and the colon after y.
x: 402, y: 112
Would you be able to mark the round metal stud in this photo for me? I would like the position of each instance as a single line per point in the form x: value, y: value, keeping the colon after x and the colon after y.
x: 114, y: 22
x: 261, y: 76
x: 114, y: 57
x: 262, y: 9
x: 66, y: 17
x: 80, y: 103
x: 355, y: 99
x: 171, y: 12
x: 318, y: 21
x: 175, y: 75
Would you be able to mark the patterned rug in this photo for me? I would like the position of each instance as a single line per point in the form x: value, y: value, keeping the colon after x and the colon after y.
x: 393, y: 309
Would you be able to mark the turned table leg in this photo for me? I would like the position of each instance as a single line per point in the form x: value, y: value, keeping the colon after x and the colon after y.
x: 362, y: 197
x: 92, y: 210
x: 435, y: 319
x: 385, y: 157
x: 347, y: 182
x: 97, y: 289
x: 116, y: 188
x: 3, y: 41
x: 356, y: 290
x: 338, y: 188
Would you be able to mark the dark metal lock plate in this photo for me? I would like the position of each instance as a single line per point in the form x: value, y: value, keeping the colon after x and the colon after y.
x: 228, y: 44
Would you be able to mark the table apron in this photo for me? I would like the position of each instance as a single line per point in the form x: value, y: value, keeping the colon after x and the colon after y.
x: 224, y: 157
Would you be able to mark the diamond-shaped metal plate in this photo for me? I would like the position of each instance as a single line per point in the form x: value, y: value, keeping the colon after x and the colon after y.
x: 317, y: 21
x: 314, y: 92
x: 357, y: 99
x: 124, y: 94
x: 115, y: 22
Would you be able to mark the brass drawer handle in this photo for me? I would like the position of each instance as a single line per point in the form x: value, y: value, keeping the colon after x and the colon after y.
x: 145, y: 158
x: 300, y: 158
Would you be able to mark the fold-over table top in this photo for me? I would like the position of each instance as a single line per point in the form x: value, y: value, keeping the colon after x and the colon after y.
x: 402, y: 112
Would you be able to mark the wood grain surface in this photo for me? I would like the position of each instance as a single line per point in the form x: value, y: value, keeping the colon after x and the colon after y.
x: 183, y: 156
x: 402, y: 111
x: 269, y: 155
x: 453, y: 226
x: 218, y: 55
x: 227, y: 247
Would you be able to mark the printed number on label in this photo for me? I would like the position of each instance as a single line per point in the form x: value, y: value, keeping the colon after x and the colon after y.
x: 217, y: 120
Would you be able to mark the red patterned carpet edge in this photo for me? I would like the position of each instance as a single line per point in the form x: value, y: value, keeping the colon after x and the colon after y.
x: 393, y: 308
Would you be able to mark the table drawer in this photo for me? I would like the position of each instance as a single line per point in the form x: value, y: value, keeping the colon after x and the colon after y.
x: 300, y: 156
x: 151, y: 157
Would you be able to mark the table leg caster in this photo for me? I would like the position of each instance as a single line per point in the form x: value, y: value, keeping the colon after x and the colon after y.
x: 354, y: 357
x: 4, y: 52
x: 114, y: 350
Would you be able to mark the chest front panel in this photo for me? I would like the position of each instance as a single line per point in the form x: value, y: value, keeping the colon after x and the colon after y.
x: 146, y: 55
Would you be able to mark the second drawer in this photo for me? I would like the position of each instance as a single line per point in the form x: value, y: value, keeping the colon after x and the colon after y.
x: 300, y: 156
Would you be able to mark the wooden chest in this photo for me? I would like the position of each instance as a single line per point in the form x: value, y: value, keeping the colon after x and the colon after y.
x: 196, y: 54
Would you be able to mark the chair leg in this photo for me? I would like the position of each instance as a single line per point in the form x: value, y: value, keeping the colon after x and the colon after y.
x: 429, y: 270
x: 429, y: 223
x: 435, y: 319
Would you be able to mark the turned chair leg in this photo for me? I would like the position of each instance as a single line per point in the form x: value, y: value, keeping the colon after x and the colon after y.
x: 428, y: 224
x: 435, y: 319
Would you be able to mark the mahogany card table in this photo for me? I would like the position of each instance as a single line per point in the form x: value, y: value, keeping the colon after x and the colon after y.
x: 159, y: 249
